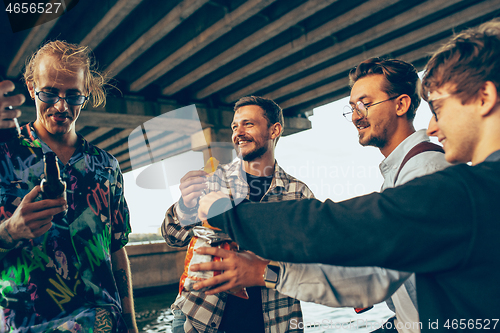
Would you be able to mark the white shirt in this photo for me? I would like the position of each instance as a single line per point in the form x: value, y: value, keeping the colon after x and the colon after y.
x: 337, y: 286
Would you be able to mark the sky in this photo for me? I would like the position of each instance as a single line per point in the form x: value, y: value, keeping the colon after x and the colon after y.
x: 328, y: 158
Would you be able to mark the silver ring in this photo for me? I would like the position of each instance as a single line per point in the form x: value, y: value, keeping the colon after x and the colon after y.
x: 9, y: 108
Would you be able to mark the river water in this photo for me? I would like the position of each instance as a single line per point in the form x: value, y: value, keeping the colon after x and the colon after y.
x: 153, y: 315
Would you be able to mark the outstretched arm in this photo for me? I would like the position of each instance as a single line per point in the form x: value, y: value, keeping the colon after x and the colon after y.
x: 385, y: 229
x: 338, y: 286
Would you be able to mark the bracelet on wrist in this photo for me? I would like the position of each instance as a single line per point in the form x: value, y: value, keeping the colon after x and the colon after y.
x: 185, y: 209
x: 4, y: 250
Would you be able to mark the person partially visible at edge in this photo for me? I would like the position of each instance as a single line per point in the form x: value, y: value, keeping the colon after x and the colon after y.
x: 383, y: 103
x: 255, y: 176
x: 70, y: 274
x: 8, y: 112
x: 443, y: 226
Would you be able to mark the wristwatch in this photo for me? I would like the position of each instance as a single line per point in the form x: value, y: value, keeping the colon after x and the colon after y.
x: 272, y: 274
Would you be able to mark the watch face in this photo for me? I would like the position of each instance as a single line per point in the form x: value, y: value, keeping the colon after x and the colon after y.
x: 272, y: 273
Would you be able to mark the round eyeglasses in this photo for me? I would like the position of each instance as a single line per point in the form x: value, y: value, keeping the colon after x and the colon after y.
x: 435, y: 108
x: 51, y: 98
x: 361, y: 108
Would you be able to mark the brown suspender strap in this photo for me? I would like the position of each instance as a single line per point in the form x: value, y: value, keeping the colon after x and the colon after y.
x: 419, y: 148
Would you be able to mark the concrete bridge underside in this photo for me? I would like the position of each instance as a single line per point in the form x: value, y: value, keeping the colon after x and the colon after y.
x: 164, y: 55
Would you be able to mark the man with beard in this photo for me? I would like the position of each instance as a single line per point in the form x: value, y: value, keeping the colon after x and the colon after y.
x: 444, y: 227
x: 388, y: 88
x: 62, y: 273
x: 257, y: 177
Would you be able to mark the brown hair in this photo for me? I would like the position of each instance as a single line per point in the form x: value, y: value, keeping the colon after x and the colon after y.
x: 71, y: 56
x: 467, y: 61
x: 401, y: 78
x: 272, y: 111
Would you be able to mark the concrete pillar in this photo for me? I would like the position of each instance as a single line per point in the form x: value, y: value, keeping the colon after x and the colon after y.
x: 214, y: 143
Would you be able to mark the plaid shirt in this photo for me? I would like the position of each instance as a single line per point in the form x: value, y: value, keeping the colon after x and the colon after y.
x: 204, y: 312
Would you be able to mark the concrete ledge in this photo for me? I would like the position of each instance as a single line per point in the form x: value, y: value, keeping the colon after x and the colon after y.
x: 151, y: 248
x: 155, y: 264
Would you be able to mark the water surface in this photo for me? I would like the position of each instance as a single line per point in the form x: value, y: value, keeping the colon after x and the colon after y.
x: 154, y: 316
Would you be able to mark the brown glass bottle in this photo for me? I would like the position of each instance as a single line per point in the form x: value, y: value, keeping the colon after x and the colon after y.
x: 52, y: 185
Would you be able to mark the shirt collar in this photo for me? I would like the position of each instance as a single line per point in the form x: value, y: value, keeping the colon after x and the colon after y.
x: 31, y: 139
x: 280, y: 178
x: 394, y: 160
x: 494, y: 157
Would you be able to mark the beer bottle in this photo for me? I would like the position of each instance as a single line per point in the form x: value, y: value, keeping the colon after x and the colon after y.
x: 52, y: 185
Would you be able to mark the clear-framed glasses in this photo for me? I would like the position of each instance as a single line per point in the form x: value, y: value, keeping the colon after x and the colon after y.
x: 51, y: 98
x: 433, y: 107
x: 361, y: 108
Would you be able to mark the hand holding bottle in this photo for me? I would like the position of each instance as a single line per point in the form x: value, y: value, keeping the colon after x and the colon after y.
x: 31, y: 219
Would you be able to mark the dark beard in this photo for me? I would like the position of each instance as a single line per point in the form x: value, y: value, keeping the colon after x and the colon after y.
x: 378, y: 142
x: 254, y: 154
x: 375, y: 142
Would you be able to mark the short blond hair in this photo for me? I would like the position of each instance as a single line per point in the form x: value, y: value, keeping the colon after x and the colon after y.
x: 71, y: 56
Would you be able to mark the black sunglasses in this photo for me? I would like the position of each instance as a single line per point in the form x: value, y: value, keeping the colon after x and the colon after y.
x: 51, y: 98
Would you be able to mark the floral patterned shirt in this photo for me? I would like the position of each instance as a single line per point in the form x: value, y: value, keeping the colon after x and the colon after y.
x: 63, y: 280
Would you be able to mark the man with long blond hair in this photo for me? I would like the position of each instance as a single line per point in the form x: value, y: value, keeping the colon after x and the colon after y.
x: 68, y: 274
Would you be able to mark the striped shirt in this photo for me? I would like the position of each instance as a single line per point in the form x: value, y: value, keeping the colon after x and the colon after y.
x: 204, y: 312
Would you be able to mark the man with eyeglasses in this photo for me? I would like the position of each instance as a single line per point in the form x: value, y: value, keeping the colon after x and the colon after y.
x: 443, y: 226
x: 383, y: 103
x: 388, y: 89
x: 69, y: 274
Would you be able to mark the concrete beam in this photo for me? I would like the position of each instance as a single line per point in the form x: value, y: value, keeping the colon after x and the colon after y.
x: 109, y: 22
x: 267, y: 32
x: 115, y: 138
x: 295, y: 125
x: 178, y: 137
x: 329, y: 93
x: 97, y: 133
x: 229, y: 21
x: 29, y: 46
x: 141, y: 157
x: 352, y: 16
x: 341, y: 83
x: 176, y: 16
x: 120, y: 120
x: 393, y: 45
x: 378, y: 30
x: 115, y: 151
